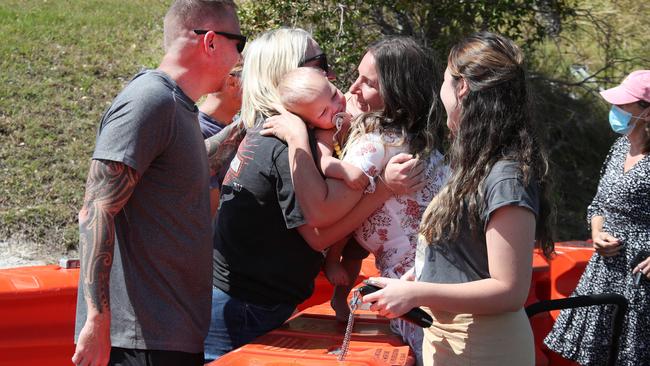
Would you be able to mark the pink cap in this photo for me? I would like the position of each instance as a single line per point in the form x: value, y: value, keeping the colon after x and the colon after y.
x: 635, y: 87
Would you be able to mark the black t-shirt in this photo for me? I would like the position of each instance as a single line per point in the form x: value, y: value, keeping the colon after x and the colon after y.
x: 259, y: 256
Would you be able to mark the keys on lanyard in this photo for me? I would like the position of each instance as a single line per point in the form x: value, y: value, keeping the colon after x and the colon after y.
x: 354, y: 303
x: 343, y: 350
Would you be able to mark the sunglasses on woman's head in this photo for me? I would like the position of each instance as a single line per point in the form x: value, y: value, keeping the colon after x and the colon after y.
x: 322, y: 62
x: 241, y: 40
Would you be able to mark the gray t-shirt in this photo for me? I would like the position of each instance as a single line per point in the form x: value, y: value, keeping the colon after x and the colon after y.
x: 161, y: 279
x: 465, y: 259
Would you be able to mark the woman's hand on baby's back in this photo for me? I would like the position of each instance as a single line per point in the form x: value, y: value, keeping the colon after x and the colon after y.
x: 404, y: 174
x: 285, y: 126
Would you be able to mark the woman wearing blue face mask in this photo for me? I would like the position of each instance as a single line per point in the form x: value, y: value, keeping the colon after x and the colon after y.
x: 620, y: 227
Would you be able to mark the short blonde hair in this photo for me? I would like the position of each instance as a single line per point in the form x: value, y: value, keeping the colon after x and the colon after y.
x: 266, y: 60
x: 186, y: 15
x: 297, y: 86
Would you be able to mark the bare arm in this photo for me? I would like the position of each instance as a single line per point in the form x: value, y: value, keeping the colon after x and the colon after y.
x: 329, y: 165
x: 108, y: 188
x: 222, y: 147
x: 353, y: 177
x: 325, y: 148
x: 510, y: 237
x: 597, y: 224
x: 401, y: 176
x: 323, y: 202
x: 321, y: 238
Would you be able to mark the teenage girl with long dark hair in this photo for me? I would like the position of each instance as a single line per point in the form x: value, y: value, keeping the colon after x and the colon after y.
x: 473, y: 262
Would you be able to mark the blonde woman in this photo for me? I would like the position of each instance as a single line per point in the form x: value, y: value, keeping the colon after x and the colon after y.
x: 266, y: 255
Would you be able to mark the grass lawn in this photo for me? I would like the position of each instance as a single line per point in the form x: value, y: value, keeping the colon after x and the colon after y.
x: 63, y: 61
x: 61, y: 64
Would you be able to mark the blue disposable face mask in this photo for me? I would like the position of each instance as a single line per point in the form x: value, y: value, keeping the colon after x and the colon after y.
x: 619, y: 120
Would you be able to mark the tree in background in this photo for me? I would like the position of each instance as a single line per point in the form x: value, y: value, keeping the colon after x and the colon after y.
x: 345, y: 28
x: 63, y: 61
x: 555, y: 35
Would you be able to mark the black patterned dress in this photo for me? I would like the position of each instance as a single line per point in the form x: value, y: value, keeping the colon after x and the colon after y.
x: 584, y: 334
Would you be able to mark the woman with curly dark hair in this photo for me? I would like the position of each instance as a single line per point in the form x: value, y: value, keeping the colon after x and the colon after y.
x: 473, y: 262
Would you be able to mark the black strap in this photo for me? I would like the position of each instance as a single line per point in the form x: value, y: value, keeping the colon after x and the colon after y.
x: 620, y: 308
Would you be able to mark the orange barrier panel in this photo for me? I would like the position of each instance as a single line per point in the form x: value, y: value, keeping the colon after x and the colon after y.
x: 37, y: 310
x: 540, y: 290
x: 309, y: 338
x: 37, y: 313
x: 566, y: 268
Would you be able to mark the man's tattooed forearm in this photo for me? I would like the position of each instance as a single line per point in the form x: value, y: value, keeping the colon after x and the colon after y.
x: 222, y: 147
x: 108, y: 188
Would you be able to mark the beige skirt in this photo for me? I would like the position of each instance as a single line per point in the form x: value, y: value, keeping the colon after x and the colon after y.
x: 485, y: 340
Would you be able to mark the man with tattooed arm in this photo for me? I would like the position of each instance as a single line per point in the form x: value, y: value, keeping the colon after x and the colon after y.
x: 145, y: 235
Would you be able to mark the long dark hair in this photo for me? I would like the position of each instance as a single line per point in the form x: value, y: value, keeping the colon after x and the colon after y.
x: 408, y: 84
x: 494, y: 124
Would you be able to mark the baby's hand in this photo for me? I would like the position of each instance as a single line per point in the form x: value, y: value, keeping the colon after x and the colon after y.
x: 356, y: 179
x: 336, y: 274
x: 284, y: 126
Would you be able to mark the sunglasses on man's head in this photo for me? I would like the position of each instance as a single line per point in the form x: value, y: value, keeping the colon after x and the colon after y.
x: 241, y: 40
x: 322, y: 62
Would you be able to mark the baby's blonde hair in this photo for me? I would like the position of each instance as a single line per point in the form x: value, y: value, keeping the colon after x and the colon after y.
x: 298, y: 86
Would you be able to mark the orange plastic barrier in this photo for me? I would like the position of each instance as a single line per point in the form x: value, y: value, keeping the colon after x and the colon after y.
x: 567, y: 267
x: 540, y: 290
x: 37, y: 312
x: 309, y: 338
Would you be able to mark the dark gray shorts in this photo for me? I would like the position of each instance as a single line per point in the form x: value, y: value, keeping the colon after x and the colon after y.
x: 144, y: 357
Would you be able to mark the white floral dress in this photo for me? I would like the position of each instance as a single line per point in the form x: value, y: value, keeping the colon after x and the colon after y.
x: 391, y: 232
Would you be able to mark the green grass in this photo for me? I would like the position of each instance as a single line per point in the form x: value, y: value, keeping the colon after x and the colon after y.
x: 61, y: 64
x: 63, y: 61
